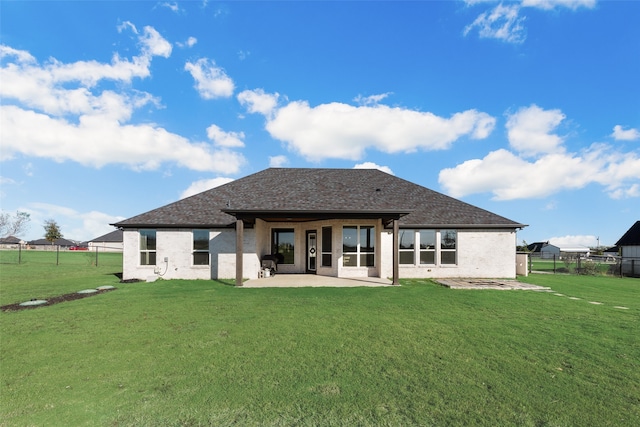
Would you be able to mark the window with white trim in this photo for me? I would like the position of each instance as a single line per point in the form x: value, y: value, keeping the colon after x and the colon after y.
x: 147, y: 247
x: 406, y: 239
x: 200, y: 247
x: 427, y: 239
x: 421, y: 247
x: 448, y: 240
x: 358, y: 246
x: 326, y: 253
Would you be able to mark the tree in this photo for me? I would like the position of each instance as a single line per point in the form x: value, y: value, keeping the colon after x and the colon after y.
x: 52, y: 230
x: 14, y: 226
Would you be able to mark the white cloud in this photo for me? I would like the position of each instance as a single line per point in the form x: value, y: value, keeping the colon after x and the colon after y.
x: 371, y: 100
x: 371, y: 165
x: 343, y: 131
x: 621, y: 134
x: 626, y: 193
x: 173, y: 6
x: 81, y: 226
x: 154, y: 44
x: 61, y: 113
x: 574, y: 241
x: 552, y: 4
x: 191, y: 41
x: 21, y: 56
x: 257, y: 101
x: 506, y: 22
x: 96, y: 141
x: 211, y: 81
x: 529, y: 130
x: 127, y: 25
x: 502, y: 22
x: 204, y: 185
x: 509, y: 176
x: 278, y: 161
x: 225, y: 139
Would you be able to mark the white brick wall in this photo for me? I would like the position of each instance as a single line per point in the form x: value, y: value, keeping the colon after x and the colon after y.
x: 481, y: 253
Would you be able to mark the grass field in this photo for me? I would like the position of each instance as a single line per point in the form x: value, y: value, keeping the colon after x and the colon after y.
x: 200, y: 353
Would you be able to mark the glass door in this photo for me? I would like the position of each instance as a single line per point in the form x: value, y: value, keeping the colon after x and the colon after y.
x: 312, y: 251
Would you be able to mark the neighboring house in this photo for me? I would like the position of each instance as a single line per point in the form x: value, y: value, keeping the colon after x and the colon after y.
x: 10, y: 242
x: 45, y: 244
x: 629, y: 245
x: 332, y: 222
x: 110, y: 242
x: 548, y: 251
x: 535, y: 248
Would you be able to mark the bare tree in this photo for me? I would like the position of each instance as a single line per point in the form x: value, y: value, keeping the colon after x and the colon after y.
x: 14, y: 225
x: 52, y: 230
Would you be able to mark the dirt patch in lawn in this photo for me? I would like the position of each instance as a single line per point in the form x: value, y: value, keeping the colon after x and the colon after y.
x: 53, y: 300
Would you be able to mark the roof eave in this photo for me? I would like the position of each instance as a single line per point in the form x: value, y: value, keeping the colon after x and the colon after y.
x: 458, y: 226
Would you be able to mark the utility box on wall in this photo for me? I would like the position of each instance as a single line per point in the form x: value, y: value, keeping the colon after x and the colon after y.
x: 522, y: 264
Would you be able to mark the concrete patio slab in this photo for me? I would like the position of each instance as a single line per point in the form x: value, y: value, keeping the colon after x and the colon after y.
x: 499, y: 284
x: 313, y: 280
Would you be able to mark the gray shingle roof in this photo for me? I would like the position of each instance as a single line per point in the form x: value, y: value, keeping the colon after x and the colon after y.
x: 112, y: 237
x: 323, y: 191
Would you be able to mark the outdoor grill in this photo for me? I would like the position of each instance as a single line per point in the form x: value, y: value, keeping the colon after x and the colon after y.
x: 270, y: 262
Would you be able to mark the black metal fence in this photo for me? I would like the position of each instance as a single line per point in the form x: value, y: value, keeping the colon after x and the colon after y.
x: 579, y: 264
x: 58, y: 255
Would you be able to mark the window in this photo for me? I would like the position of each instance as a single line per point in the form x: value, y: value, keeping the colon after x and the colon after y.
x: 326, y: 252
x: 282, y: 242
x: 200, y: 247
x: 427, y: 246
x: 147, y: 247
x: 358, y: 246
x: 448, y: 246
x: 407, y: 246
x: 420, y: 245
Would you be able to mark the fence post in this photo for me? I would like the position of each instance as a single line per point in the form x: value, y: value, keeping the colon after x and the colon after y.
x: 57, y: 254
x: 554, y: 263
x: 579, y: 265
x: 19, y: 253
x: 96, y: 255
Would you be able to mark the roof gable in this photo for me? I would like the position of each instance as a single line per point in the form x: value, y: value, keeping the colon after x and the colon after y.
x: 631, y: 237
x: 112, y: 237
x: 330, y: 191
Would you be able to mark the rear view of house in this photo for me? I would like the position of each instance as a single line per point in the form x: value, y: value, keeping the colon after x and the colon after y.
x: 332, y: 222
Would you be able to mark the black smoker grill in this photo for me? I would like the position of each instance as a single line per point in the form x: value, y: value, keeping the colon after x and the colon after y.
x: 270, y: 262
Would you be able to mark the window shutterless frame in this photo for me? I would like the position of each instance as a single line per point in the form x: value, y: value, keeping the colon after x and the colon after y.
x: 200, y: 254
x: 147, y: 247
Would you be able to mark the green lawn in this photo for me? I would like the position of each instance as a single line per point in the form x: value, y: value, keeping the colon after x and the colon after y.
x: 196, y: 353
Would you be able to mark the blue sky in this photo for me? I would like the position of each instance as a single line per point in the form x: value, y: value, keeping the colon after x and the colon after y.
x: 529, y: 109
